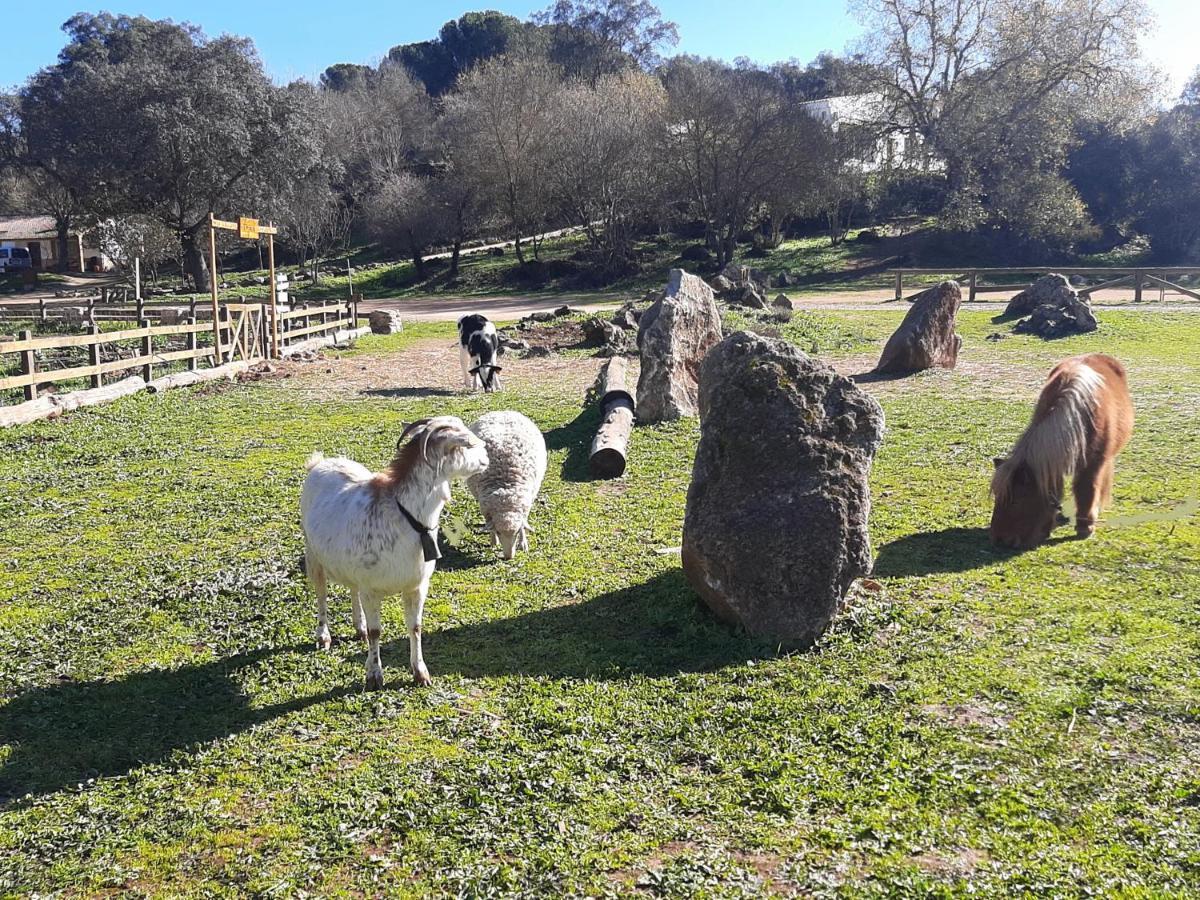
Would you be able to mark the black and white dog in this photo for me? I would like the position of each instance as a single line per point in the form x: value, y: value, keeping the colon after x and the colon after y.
x: 480, y: 352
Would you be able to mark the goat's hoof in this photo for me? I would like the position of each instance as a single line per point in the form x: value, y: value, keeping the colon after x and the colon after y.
x: 375, y: 680
x: 324, y: 641
x: 421, y: 677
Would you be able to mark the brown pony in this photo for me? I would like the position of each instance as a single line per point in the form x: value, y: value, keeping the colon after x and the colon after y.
x: 1082, y: 420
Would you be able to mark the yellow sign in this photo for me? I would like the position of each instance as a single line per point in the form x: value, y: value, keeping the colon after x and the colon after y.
x: 248, y: 229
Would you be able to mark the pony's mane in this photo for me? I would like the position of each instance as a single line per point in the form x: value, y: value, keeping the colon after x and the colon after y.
x: 1057, y: 437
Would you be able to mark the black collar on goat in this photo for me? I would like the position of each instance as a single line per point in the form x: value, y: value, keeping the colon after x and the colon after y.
x: 429, y: 544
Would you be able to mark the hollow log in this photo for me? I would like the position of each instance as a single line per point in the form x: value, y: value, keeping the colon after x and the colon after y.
x: 607, y: 457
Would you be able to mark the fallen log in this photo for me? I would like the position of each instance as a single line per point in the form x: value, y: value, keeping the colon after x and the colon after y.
x: 53, y: 405
x: 607, y: 457
x: 29, y: 411
x: 98, y: 396
x: 184, y: 379
x: 327, y: 340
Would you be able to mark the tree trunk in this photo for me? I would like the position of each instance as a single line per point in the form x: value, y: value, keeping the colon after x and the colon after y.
x: 517, y: 247
x: 63, y: 227
x: 455, y: 248
x: 195, y: 262
x: 417, y: 258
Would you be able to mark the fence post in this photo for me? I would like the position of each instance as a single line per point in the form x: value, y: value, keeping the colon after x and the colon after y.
x: 899, y: 285
x: 222, y: 324
x: 140, y: 306
x: 193, y: 344
x: 1137, y: 285
x: 147, y: 351
x: 91, y: 308
x: 192, y: 309
x: 42, y: 309
x: 29, y: 366
x: 94, y: 354
x: 974, y: 276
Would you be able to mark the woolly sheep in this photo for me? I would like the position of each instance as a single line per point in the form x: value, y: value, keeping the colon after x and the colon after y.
x: 507, y: 489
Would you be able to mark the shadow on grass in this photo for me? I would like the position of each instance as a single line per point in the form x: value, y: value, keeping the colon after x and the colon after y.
x: 576, y: 438
x: 656, y: 628
x: 63, y: 734
x: 948, y: 550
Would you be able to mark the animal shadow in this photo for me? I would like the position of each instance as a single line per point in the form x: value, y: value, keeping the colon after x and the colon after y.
x: 65, y: 733
x: 948, y: 550
x: 403, y: 393
x: 656, y: 628
x: 576, y: 438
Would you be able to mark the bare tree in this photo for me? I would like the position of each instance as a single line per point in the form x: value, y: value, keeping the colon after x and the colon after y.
x: 404, y: 214
x: 316, y: 220
x: 500, y: 122
x: 733, y: 137
x: 602, y: 170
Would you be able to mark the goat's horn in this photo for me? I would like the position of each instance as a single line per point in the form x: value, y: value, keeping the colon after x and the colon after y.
x: 410, y: 428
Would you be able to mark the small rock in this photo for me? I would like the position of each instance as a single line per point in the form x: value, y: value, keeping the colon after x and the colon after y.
x: 385, y: 321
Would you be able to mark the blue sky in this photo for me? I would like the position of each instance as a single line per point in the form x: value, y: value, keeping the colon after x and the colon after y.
x: 299, y: 39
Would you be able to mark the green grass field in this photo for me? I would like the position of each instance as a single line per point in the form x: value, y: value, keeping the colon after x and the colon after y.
x: 977, y: 723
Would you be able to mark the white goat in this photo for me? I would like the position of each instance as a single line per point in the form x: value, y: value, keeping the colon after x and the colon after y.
x: 507, y: 489
x: 376, y: 533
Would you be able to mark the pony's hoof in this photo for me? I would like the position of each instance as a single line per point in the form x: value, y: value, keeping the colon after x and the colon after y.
x: 375, y: 680
x: 1083, y: 532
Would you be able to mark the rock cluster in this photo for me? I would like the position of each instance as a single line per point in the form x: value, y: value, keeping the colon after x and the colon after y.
x: 1053, y: 308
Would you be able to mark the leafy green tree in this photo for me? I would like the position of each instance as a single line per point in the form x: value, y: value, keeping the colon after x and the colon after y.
x: 154, y: 118
x: 591, y: 38
x: 343, y: 77
x: 460, y: 45
x: 995, y: 88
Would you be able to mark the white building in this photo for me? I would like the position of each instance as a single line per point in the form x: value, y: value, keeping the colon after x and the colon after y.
x: 893, y: 149
x: 38, y: 235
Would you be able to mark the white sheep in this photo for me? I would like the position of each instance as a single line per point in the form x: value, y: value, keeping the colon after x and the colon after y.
x: 376, y: 533
x: 507, y: 489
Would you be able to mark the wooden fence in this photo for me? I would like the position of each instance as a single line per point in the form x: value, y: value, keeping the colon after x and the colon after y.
x: 1137, y: 278
x: 248, y: 332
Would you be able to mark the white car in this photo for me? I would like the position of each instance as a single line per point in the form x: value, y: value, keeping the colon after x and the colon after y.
x: 14, y: 259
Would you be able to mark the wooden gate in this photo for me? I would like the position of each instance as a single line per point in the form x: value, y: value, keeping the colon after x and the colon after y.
x: 247, y: 331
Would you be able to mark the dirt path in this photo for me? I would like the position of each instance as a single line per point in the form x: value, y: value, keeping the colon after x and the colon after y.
x: 430, y: 368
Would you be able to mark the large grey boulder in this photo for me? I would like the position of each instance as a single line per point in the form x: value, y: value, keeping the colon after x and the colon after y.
x: 776, y: 523
x: 1053, y: 289
x: 926, y: 338
x: 674, y: 335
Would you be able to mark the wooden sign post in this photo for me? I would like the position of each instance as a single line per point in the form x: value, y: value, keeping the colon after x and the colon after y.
x: 247, y: 229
